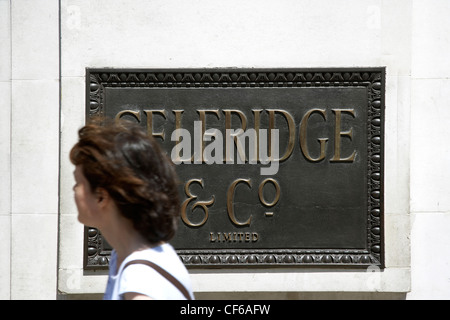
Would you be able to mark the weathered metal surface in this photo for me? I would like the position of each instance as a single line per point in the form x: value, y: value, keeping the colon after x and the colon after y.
x: 321, y: 204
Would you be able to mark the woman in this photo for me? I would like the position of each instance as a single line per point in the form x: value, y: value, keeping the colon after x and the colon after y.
x: 126, y: 188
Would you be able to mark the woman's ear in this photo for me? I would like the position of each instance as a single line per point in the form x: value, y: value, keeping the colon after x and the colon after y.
x: 102, y: 196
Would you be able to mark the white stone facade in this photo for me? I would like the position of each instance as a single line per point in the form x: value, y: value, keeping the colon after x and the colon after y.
x: 46, y: 45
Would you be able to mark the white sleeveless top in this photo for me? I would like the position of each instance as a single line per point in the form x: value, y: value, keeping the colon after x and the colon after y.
x: 145, y: 280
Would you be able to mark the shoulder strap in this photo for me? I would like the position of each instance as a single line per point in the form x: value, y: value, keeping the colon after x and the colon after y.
x: 165, y: 274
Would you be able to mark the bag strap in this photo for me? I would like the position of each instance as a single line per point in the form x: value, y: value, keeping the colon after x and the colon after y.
x: 164, y: 273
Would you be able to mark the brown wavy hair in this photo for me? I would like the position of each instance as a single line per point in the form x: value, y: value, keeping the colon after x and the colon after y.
x: 132, y: 168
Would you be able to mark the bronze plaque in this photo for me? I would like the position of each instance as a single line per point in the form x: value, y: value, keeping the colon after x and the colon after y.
x: 277, y: 167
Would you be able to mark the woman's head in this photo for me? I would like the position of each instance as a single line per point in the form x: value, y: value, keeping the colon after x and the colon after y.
x: 122, y: 160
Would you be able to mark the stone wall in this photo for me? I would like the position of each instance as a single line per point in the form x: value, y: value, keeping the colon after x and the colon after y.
x: 48, y: 44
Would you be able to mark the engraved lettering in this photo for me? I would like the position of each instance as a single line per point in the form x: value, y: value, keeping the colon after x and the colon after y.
x: 122, y: 113
x: 277, y: 192
x: 337, y: 136
x: 176, y: 135
x: 198, y: 143
x: 230, y: 202
x: 233, y: 237
x: 203, y: 204
x: 291, y: 127
x: 150, y: 132
x: 227, y: 236
x: 303, y: 136
x: 229, y: 147
x: 257, y: 117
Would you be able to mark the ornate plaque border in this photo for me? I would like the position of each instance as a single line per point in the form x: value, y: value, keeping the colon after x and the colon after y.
x: 96, y: 253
